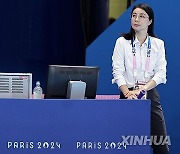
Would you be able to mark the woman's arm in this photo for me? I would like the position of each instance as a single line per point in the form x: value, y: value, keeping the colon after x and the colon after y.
x: 148, y: 86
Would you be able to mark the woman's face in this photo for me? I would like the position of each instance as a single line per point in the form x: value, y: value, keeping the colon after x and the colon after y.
x: 140, y: 20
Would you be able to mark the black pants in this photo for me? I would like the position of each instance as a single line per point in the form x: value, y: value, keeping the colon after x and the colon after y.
x: 158, y: 127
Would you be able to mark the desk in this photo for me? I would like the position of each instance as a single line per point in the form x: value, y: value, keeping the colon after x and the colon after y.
x: 72, y: 126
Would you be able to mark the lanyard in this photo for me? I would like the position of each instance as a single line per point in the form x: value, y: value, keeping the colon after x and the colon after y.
x: 147, y: 59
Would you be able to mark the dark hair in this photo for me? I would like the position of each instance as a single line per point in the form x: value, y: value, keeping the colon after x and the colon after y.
x: 149, y: 11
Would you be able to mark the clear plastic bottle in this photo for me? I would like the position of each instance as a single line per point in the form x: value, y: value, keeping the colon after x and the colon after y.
x: 37, y: 91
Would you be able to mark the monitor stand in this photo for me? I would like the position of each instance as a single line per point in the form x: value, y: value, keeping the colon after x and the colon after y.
x: 76, y: 90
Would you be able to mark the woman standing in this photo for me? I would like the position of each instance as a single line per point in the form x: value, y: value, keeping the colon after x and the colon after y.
x: 139, y: 64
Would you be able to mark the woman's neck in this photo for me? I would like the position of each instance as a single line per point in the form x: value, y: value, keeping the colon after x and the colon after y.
x: 141, y: 37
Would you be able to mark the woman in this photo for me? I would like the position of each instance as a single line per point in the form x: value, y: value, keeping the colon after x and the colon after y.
x: 139, y: 64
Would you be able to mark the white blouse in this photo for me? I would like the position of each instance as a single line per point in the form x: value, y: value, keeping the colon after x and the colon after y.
x: 122, y: 62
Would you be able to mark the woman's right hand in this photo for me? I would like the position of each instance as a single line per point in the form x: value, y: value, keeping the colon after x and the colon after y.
x: 131, y: 95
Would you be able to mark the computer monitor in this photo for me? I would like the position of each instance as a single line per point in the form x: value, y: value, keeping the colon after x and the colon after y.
x: 60, y: 75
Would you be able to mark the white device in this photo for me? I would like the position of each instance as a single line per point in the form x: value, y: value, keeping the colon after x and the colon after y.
x: 76, y: 90
x: 15, y: 85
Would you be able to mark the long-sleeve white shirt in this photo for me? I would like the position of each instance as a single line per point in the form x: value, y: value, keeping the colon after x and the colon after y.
x: 122, y: 62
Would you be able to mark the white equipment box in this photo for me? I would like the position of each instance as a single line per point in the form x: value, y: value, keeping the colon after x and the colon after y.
x: 76, y: 90
x: 15, y: 85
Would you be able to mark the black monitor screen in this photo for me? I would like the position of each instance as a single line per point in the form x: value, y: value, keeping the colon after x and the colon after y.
x: 60, y: 75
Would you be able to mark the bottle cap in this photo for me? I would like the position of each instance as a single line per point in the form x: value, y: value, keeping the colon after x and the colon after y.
x: 38, y: 83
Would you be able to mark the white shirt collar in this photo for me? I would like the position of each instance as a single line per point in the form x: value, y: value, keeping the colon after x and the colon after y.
x: 136, y: 41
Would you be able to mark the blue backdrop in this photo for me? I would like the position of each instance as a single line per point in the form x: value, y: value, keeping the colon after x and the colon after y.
x: 37, y: 33
x: 167, y: 28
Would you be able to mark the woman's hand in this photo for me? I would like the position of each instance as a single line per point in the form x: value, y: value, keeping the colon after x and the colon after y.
x: 137, y: 91
x: 131, y: 95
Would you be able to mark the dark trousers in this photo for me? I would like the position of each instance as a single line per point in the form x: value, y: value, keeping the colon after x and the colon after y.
x: 158, y: 127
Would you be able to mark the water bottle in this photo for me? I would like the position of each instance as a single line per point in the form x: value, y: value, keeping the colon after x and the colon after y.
x: 37, y: 91
x: 141, y: 94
